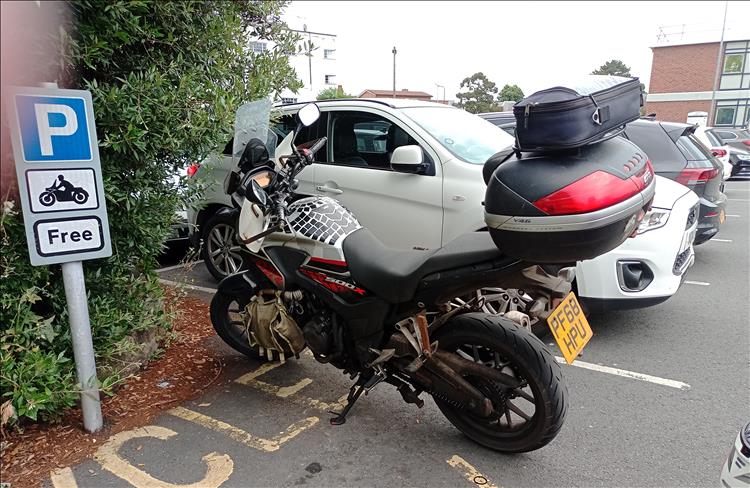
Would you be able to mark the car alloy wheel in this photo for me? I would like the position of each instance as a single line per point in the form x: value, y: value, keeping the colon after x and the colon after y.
x: 223, y: 249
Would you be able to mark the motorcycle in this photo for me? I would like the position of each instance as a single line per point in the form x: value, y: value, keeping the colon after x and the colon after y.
x: 319, y: 280
x: 52, y: 195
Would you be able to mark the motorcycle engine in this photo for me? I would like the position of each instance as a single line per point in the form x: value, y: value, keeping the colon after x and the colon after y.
x: 319, y: 333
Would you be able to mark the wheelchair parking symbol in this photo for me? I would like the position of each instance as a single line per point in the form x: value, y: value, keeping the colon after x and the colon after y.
x: 53, y: 128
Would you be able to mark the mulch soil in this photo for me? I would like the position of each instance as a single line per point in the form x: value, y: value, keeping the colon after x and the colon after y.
x: 189, y: 365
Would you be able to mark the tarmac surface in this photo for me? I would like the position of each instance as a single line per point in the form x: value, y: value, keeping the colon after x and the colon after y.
x: 656, y: 400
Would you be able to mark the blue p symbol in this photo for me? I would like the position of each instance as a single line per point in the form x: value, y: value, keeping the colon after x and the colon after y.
x: 53, y: 128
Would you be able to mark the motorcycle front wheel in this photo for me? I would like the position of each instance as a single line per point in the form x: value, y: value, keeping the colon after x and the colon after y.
x: 227, y: 319
x: 524, y: 419
x: 47, y: 198
x: 80, y: 196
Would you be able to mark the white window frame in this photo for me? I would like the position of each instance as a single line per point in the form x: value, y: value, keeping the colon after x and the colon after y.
x: 258, y: 47
x: 330, y: 82
x: 329, y: 54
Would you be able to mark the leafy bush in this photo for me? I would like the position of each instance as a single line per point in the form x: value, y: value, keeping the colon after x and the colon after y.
x: 166, y: 79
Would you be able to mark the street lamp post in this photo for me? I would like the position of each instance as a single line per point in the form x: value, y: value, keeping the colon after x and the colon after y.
x: 394, y: 71
x: 437, y: 91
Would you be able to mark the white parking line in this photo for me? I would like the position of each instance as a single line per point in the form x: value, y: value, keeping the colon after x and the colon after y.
x: 699, y: 283
x: 732, y: 215
x: 739, y: 199
x: 176, y: 266
x: 187, y: 287
x: 627, y: 374
x: 715, y: 239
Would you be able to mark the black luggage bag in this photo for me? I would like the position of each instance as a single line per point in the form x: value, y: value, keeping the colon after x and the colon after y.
x: 568, y: 117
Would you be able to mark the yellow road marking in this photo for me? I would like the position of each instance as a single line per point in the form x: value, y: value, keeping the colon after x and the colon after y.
x: 260, y: 371
x: 218, y: 466
x: 288, y: 392
x: 63, y: 478
x: 470, y: 472
x: 239, y: 435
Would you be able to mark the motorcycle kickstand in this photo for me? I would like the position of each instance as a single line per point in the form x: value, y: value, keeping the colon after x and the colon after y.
x: 354, y: 393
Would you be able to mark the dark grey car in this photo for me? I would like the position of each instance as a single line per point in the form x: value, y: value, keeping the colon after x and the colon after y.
x: 675, y: 153
x: 739, y: 138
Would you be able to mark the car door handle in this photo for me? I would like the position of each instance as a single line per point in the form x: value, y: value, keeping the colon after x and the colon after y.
x: 328, y: 189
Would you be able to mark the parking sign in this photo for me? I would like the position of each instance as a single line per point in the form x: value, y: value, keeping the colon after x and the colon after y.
x: 59, y: 174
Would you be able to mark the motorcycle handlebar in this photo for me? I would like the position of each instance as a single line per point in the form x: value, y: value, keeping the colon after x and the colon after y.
x: 316, y: 147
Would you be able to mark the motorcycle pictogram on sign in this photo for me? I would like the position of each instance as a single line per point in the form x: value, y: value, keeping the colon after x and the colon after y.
x: 63, y: 191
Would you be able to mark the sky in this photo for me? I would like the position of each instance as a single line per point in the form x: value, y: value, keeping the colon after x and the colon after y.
x: 531, y: 44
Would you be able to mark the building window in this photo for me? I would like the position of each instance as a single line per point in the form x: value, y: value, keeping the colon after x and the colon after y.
x: 732, y: 113
x: 329, y: 53
x: 330, y: 79
x: 733, y: 63
x: 725, y: 115
x: 258, y: 47
x: 287, y: 101
x: 735, y: 74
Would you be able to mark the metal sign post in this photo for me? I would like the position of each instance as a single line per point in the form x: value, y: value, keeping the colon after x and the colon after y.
x: 62, y: 196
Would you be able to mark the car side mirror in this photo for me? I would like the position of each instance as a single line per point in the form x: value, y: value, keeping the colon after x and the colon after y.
x: 407, y: 159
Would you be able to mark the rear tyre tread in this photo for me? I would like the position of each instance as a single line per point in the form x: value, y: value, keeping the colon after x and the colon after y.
x: 535, y: 358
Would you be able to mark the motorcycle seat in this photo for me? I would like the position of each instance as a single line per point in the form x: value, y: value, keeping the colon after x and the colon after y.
x: 394, y: 274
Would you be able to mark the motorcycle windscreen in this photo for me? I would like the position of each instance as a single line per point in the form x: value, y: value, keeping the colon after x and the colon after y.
x: 251, y: 223
x: 284, y: 149
x: 252, y: 121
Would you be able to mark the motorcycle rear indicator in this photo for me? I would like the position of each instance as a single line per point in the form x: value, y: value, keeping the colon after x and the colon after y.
x: 568, y: 206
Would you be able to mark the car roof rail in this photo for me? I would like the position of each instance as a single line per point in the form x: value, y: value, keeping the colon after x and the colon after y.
x: 367, y: 100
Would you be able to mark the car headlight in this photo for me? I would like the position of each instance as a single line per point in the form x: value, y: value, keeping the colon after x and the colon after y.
x: 743, y: 156
x: 654, y: 219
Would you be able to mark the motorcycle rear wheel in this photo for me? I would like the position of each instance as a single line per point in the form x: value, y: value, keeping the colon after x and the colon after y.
x: 525, y: 419
x: 47, y: 198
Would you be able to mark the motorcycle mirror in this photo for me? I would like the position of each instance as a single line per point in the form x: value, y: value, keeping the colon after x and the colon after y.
x: 257, y: 194
x: 308, y: 114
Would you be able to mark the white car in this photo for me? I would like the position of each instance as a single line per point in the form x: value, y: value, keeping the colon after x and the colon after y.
x: 720, y: 151
x: 648, y: 269
x: 736, y: 470
x: 443, y: 199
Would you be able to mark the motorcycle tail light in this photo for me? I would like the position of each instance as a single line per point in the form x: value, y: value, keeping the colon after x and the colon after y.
x: 593, y: 192
x: 719, y: 152
x: 192, y: 169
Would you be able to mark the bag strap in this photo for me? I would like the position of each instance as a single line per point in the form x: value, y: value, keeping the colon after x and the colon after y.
x: 600, y: 115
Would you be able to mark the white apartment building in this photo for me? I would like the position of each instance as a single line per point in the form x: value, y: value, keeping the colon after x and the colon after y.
x: 317, y: 71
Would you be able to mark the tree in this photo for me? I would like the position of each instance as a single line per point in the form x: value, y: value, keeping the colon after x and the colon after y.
x: 332, y: 93
x: 166, y: 79
x: 479, y: 95
x: 613, y: 67
x: 510, y: 93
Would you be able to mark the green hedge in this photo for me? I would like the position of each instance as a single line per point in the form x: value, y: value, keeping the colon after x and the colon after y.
x: 166, y: 79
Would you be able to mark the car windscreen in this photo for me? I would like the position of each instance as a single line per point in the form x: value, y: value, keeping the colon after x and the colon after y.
x: 466, y: 136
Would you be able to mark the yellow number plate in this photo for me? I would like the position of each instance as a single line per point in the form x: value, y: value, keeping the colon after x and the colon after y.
x: 570, y: 327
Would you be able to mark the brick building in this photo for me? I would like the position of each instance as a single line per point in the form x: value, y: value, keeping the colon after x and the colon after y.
x: 412, y: 95
x: 683, y: 78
